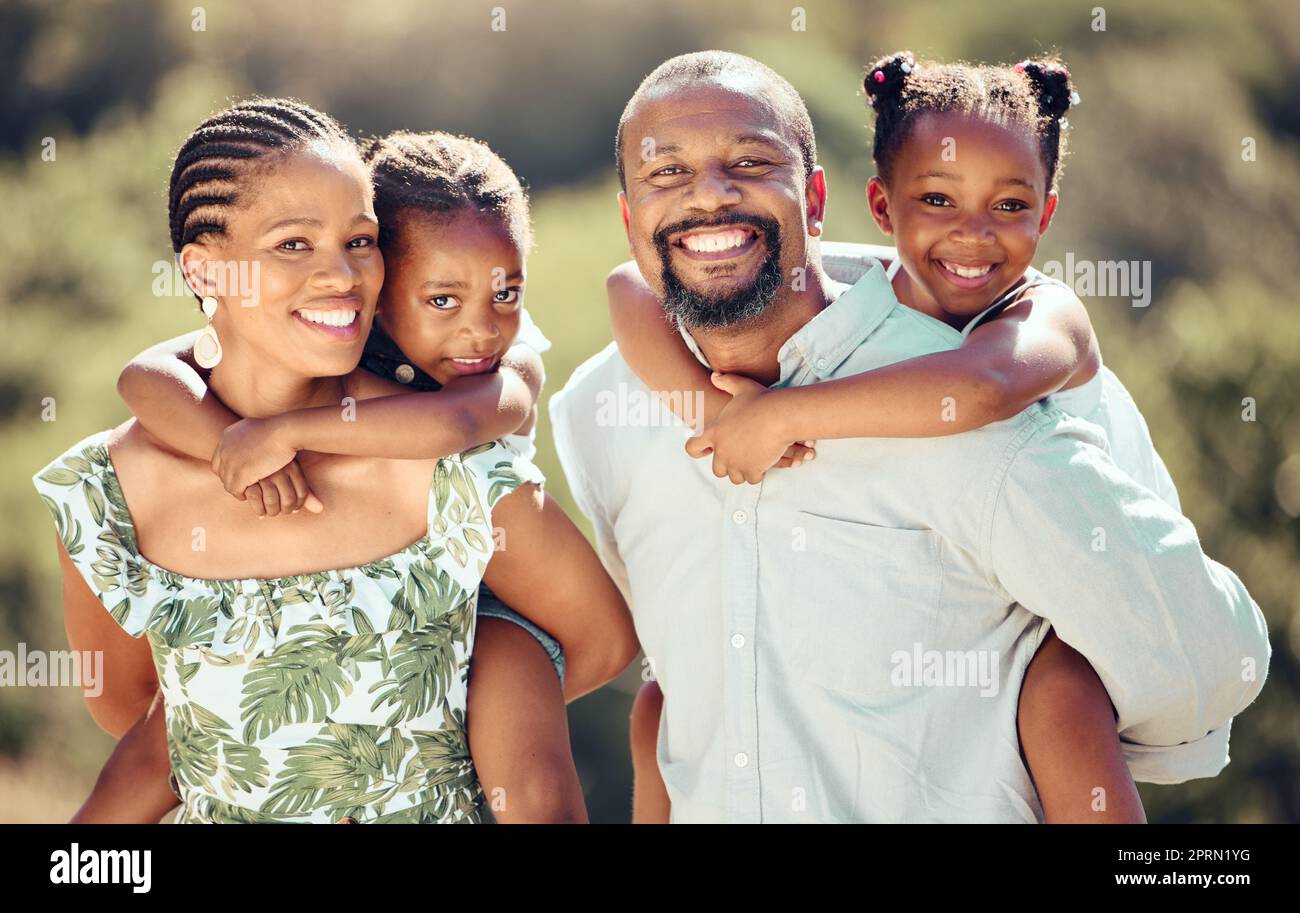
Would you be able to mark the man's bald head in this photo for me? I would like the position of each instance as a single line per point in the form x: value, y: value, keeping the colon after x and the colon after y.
x: 726, y: 69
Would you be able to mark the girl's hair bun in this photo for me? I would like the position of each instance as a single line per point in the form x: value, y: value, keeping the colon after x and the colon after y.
x: 1050, y: 81
x: 887, y: 76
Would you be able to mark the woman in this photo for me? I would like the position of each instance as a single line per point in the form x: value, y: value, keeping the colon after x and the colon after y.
x: 312, y: 668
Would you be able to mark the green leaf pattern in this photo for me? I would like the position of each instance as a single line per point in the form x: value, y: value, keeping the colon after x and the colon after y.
x: 315, y: 696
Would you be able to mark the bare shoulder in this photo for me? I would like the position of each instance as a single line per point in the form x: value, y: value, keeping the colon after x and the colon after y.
x: 365, y: 385
x: 1052, y: 298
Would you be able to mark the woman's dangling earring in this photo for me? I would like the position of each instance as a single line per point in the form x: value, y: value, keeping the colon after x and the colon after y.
x: 207, y: 348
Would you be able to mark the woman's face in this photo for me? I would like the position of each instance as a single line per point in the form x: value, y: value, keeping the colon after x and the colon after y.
x: 305, y: 245
x: 453, y: 295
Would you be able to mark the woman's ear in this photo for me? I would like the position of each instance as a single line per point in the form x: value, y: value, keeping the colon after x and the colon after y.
x: 878, y: 204
x: 815, y: 200
x: 195, y: 259
x: 1049, y: 211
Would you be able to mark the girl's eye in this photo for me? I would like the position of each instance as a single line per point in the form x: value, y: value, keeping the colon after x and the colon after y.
x: 935, y: 199
x: 444, y: 302
x: 1015, y: 206
x: 508, y: 295
x: 284, y: 245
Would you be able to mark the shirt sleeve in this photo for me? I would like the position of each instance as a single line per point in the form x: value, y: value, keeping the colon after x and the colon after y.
x: 1173, y: 635
x: 530, y: 334
x: 496, y: 468
x: 92, y: 522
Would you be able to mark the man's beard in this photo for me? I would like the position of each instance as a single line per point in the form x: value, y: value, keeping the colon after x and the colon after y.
x: 700, y: 310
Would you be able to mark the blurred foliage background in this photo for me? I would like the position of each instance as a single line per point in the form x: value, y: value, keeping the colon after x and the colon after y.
x: 1171, y: 91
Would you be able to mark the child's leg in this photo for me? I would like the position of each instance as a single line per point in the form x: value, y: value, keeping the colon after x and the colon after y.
x: 650, y: 804
x: 133, y: 787
x: 1067, y: 735
x: 519, y: 730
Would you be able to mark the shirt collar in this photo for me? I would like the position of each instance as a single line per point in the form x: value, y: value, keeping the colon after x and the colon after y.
x: 824, y: 342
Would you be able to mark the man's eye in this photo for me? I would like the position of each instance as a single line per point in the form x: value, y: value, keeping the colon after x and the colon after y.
x: 508, y: 295
x: 444, y: 302
x: 284, y: 245
x: 668, y: 172
x: 750, y: 163
x: 935, y: 199
x: 1012, y: 206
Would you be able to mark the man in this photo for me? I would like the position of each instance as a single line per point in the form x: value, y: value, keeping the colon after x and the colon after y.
x: 775, y: 616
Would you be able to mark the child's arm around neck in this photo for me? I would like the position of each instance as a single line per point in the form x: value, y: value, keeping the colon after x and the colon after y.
x: 1042, y: 343
x: 169, y: 395
x: 467, y: 412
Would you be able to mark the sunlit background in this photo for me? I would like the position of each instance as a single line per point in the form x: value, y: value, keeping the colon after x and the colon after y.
x: 1184, y: 153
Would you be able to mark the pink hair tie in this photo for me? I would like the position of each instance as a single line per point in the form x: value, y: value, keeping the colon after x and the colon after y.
x: 878, y: 76
x: 1020, y: 68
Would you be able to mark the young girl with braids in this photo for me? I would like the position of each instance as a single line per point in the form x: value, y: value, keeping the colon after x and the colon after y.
x: 967, y: 162
x: 449, y: 325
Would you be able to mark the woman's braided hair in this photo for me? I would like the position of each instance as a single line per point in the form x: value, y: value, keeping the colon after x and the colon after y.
x: 222, y: 151
x: 440, y: 175
x: 1035, y: 94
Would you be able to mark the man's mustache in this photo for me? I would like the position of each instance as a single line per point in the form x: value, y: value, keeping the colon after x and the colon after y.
x: 766, y: 225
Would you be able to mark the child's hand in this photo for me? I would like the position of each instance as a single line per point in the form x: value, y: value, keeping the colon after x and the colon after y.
x: 283, y: 491
x: 250, y: 450
x: 747, y: 438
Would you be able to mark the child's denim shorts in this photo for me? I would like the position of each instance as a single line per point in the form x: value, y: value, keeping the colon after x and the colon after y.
x: 490, y: 606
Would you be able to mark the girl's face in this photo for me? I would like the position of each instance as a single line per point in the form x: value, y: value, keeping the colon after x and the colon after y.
x: 298, y: 272
x: 453, y: 294
x: 966, y: 205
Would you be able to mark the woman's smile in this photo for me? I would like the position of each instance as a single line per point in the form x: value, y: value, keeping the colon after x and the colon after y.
x: 338, y: 318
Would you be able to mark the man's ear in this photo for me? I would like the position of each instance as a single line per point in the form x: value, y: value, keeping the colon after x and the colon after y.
x: 194, y: 259
x: 815, y: 201
x: 1049, y: 211
x: 627, y: 217
x: 878, y: 204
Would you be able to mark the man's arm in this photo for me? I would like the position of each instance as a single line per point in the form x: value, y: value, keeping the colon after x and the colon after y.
x: 1178, y: 642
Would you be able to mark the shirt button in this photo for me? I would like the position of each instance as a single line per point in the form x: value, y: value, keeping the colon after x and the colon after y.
x: 742, y: 759
x: 738, y: 640
x: 405, y: 373
x: 346, y: 819
x: 738, y: 516
x: 821, y: 364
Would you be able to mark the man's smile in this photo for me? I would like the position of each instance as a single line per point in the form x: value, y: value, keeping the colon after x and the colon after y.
x: 720, y: 243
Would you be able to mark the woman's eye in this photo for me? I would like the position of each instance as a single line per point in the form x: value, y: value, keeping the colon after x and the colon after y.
x: 285, y: 245
x: 443, y: 302
x: 935, y: 199
x: 362, y: 242
x: 508, y: 295
x: 1012, y: 206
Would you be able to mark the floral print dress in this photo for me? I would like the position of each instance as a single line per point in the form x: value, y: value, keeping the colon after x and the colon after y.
x: 332, y: 696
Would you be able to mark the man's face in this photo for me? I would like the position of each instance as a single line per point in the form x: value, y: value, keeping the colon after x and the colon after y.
x: 717, y: 206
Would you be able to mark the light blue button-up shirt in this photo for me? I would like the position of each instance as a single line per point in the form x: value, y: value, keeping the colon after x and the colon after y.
x: 846, y: 641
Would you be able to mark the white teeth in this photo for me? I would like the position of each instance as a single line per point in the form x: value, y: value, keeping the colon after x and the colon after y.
x: 967, y: 272
x: 715, y: 241
x: 470, y: 361
x: 331, y: 318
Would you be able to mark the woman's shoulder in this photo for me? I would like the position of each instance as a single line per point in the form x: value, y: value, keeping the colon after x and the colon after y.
x: 365, y: 385
x: 491, y: 471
